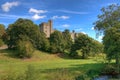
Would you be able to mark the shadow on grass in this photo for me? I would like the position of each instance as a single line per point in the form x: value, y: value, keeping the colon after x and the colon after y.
x: 9, y: 52
x: 74, y: 71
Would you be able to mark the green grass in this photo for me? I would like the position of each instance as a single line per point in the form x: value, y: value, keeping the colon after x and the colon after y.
x: 47, y: 66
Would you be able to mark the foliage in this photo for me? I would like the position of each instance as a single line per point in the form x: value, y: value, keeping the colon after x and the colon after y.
x: 109, y: 22
x: 111, y: 41
x: 83, y: 43
x: 25, y: 49
x: 27, y: 28
x: 68, y: 40
x: 3, y: 34
x: 1, y: 42
x: 57, y: 42
x: 96, y: 47
x: 2, y: 30
x: 109, y: 18
x: 110, y: 70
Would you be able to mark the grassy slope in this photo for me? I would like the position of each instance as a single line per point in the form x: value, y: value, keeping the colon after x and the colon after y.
x: 48, y: 65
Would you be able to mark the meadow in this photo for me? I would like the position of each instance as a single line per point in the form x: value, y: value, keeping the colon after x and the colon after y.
x: 45, y: 66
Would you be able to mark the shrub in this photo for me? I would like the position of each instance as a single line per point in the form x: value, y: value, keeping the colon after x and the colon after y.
x: 25, y: 49
x: 1, y: 42
x: 110, y: 69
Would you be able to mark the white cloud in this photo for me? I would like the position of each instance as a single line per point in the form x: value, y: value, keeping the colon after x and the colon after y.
x: 37, y: 13
x: 92, y: 28
x: 37, y: 17
x: 72, y: 12
x: 100, y: 37
x: 64, y: 17
x: 32, y: 10
x: 8, y: 5
x: 66, y: 25
x: 83, y: 32
x: 60, y: 17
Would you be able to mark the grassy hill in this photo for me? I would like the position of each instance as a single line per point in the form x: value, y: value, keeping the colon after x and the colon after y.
x: 45, y: 66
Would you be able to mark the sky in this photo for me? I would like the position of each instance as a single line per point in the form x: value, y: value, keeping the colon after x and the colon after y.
x: 78, y: 15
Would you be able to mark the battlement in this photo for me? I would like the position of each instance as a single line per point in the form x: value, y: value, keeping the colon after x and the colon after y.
x: 47, y: 28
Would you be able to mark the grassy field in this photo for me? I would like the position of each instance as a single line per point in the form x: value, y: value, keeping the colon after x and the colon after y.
x: 46, y: 66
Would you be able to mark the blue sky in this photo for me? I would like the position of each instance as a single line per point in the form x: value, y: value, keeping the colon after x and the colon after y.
x: 78, y: 15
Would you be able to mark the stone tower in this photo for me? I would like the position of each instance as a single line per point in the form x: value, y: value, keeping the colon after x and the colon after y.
x: 46, y: 28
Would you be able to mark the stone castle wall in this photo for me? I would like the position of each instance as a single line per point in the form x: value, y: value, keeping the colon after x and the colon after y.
x: 47, y: 28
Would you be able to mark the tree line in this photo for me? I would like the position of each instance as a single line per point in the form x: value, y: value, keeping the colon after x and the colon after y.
x: 25, y: 36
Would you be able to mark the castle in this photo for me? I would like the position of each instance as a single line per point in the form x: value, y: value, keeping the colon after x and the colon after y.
x: 47, y: 28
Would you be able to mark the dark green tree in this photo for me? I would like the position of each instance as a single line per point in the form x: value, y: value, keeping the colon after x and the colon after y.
x: 24, y: 47
x: 57, y: 44
x: 2, y: 30
x: 27, y: 28
x: 109, y: 18
x: 109, y: 23
x: 97, y: 47
x: 68, y: 40
x: 84, y: 43
x: 2, y: 34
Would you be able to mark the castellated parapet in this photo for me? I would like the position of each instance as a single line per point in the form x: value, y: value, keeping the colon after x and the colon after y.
x: 47, y: 28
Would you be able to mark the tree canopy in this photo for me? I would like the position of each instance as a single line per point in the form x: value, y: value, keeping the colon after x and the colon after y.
x: 109, y: 23
x: 57, y: 42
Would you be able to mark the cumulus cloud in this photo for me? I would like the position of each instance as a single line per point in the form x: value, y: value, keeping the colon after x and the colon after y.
x: 83, y: 32
x: 92, y: 28
x: 8, y: 5
x: 32, y: 10
x: 66, y: 25
x: 37, y: 13
x: 100, y: 37
x: 37, y: 17
x: 60, y: 17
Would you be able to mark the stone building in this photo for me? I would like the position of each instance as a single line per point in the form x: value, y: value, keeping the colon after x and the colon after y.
x: 47, y: 28
x: 73, y: 35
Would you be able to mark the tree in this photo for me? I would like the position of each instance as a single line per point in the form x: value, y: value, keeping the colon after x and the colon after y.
x: 108, y: 23
x: 25, y: 27
x: 84, y: 43
x: 97, y: 47
x: 24, y: 47
x: 68, y: 40
x: 109, y: 18
x: 2, y: 30
x: 2, y: 34
x: 57, y: 42
x: 112, y: 44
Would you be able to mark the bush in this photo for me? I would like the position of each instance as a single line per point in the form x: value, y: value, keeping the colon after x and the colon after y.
x: 110, y: 69
x: 25, y: 49
x: 1, y: 42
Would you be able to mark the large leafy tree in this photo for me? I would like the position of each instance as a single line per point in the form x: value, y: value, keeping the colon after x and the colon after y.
x: 84, y: 43
x: 57, y: 44
x: 109, y: 23
x: 2, y: 30
x: 68, y: 40
x: 2, y: 34
x: 97, y: 47
x: 25, y: 27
